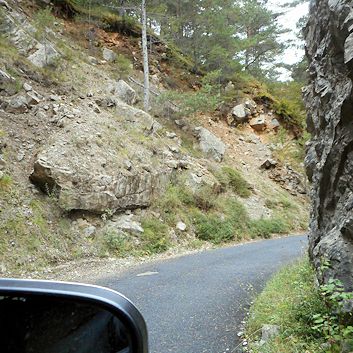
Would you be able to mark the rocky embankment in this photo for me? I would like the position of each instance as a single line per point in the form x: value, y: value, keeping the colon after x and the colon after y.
x: 82, y: 166
x: 329, y: 160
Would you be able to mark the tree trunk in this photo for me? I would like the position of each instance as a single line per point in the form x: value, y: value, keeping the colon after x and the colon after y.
x: 146, y: 90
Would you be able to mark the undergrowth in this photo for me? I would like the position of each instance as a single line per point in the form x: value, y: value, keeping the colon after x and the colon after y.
x: 311, y: 318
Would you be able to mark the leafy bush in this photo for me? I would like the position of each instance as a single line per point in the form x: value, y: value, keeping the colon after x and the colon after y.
x: 211, y: 227
x: 205, y: 198
x: 155, y: 237
x: 190, y: 103
x: 232, y: 180
x: 5, y: 182
x: 43, y: 20
x: 265, y: 227
x: 124, y: 65
x: 115, y: 241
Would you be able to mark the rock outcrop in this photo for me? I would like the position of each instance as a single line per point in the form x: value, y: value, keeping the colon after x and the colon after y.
x: 210, y: 144
x: 100, y: 163
x: 329, y: 161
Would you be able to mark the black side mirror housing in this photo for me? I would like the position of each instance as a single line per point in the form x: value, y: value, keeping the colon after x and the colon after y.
x: 58, y: 317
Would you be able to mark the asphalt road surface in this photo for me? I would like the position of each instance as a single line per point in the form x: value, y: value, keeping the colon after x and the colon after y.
x: 195, y: 303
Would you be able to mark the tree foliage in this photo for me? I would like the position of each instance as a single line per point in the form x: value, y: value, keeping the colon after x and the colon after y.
x: 225, y: 35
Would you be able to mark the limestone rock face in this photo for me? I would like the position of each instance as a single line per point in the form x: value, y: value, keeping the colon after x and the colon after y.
x: 329, y: 160
x: 84, y: 164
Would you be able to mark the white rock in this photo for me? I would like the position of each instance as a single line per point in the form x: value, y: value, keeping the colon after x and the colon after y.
x: 44, y: 56
x: 127, y: 223
x: 268, y: 332
x: 109, y: 55
x: 89, y: 231
x: 211, y: 144
x: 181, y: 226
x: 27, y: 87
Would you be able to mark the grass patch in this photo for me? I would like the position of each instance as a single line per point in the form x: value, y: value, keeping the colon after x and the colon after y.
x: 155, y: 238
x: 264, y: 228
x: 289, y: 300
x: 232, y: 180
x: 5, y: 182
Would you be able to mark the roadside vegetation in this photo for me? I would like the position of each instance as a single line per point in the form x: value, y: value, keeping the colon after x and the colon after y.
x: 310, y: 317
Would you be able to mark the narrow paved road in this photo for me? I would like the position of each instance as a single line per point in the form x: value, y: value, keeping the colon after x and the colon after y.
x: 195, y: 303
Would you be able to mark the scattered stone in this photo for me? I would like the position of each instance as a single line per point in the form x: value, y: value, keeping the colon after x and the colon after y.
x: 4, y: 77
x: 268, y: 164
x: 181, y: 226
x: 171, y: 135
x: 27, y: 87
x: 174, y: 149
x: 172, y: 163
x: 17, y: 104
x: 230, y: 87
x: 126, y: 223
x: 210, y: 144
x: 258, y: 124
x: 240, y: 114
x: 20, y: 156
x: 33, y: 98
x: 268, y: 332
x: 109, y: 55
x: 5, y: 4
x: 251, y: 105
x: 92, y: 60
x: 128, y: 165
x: 54, y: 98
x: 275, y: 125
x: 89, y: 231
x: 2, y: 162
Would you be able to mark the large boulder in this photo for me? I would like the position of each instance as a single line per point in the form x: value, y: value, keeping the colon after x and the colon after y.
x: 242, y: 113
x: 124, y: 92
x: 210, y: 144
x: 100, y: 163
x: 45, y: 55
x: 109, y: 55
x: 329, y: 161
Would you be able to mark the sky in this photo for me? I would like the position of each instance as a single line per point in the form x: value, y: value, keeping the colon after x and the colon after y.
x: 289, y: 21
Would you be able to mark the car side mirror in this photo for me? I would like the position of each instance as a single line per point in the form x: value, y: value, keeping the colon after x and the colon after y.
x: 57, y: 317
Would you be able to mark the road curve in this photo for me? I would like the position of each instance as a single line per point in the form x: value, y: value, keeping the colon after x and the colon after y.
x: 195, y: 303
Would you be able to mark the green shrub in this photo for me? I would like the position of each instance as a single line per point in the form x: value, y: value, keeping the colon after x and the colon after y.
x: 190, y: 103
x: 265, y: 227
x: 205, y: 198
x: 116, y: 241
x: 175, y: 199
x: 222, y: 227
x: 232, y: 180
x: 155, y: 237
x: 211, y: 227
x: 124, y: 65
x: 5, y: 182
x: 43, y: 20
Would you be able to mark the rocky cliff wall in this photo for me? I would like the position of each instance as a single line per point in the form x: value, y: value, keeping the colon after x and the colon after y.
x: 329, y: 161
